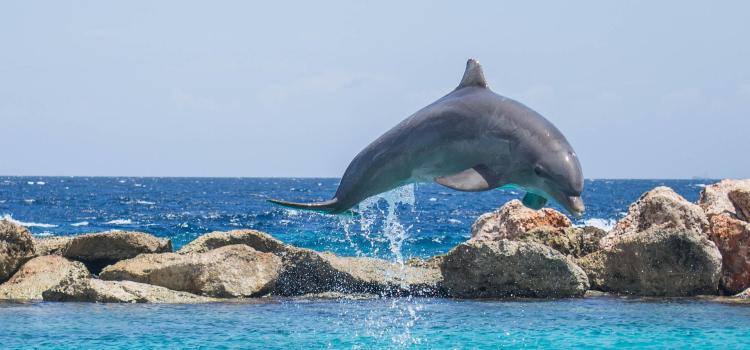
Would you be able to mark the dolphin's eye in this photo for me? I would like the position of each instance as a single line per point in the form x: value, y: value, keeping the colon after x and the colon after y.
x: 539, y: 171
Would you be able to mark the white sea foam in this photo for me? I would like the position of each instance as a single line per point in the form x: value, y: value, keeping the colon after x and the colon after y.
x: 27, y: 224
x: 79, y: 224
x: 41, y: 183
x: 454, y: 221
x: 141, y: 202
x: 43, y: 234
x: 433, y: 199
x: 604, y: 224
x: 119, y: 222
x: 29, y: 201
x: 30, y: 182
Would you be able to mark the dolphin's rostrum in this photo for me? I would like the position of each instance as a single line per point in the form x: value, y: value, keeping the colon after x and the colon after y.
x: 471, y: 139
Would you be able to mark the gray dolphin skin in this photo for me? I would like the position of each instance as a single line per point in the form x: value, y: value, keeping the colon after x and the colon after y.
x: 471, y: 139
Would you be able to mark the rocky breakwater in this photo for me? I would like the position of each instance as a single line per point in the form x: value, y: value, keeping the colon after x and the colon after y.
x: 727, y: 206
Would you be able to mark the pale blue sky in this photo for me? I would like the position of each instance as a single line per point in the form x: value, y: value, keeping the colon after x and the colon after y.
x: 641, y: 89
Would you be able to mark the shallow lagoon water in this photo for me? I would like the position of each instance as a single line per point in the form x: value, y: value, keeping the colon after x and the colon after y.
x: 415, y: 221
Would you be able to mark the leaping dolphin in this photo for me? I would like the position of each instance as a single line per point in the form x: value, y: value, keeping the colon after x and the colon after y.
x: 471, y: 139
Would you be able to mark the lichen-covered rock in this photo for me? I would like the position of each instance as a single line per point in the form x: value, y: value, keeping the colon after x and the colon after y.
x: 95, y: 290
x: 307, y: 272
x: 513, y: 219
x: 40, y: 274
x: 732, y: 237
x: 504, y: 268
x: 714, y: 199
x: 660, y: 209
x: 656, y: 263
x: 227, y: 272
x: 741, y: 201
x: 572, y: 241
x: 432, y: 262
x: 16, y: 247
x: 98, y: 250
x: 259, y: 241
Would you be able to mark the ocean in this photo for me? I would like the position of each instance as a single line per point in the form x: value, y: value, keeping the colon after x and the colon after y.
x: 414, y: 221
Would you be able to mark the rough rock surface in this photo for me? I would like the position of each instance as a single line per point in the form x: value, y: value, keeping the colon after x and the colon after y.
x: 95, y: 290
x: 572, y: 241
x: 227, y: 272
x: 714, y: 198
x: 259, y: 241
x: 732, y: 237
x: 40, y: 274
x: 741, y: 201
x: 98, y: 250
x: 513, y: 219
x: 16, y: 247
x: 308, y: 272
x: 504, y: 268
x: 660, y: 248
x: 744, y: 294
x: 660, y: 209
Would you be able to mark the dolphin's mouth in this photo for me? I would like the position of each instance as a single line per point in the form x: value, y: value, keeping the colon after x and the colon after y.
x: 574, y: 204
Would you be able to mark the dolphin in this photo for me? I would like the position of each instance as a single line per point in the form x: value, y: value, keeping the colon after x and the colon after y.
x: 471, y: 139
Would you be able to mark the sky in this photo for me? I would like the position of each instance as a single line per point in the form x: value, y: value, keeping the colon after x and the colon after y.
x: 641, y: 89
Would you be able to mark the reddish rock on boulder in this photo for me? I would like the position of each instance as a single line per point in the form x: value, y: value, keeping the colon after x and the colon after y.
x: 514, y: 219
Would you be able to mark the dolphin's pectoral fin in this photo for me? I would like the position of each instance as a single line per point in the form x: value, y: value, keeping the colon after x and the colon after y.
x: 534, y: 201
x: 478, y: 178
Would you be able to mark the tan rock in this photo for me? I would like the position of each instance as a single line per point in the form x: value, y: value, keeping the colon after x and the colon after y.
x: 505, y: 268
x: 16, y: 247
x: 732, y: 237
x: 98, y: 250
x: 574, y: 242
x: 656, y: 263
x: 308, y: 272
x: 744, y: 294
x: 660, y: 209
x: 40, y: 274
x: 230, y: 271
x: 94, y: 290
x: 741, y: 201
x: 257, y: 240
x: 513, y: 219
x: 714, y: 199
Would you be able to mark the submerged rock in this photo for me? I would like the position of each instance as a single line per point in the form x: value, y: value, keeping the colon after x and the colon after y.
x: 95, y: 290
x: 714, y: 199
x: 40, y: 274
x: 307, y: 272
x: 513, y: 219
x: 257, y: 240
x: 660, y: 248
x: 732, y: 237
x: 504, y: 268
x: 228, y: 272
x: 572, y: 241
x: 16, y: 247
x: 98, y: 250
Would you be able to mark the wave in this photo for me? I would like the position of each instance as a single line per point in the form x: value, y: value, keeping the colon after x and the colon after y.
x: 604, y: 224
x: 78, y: 224
x: 120, y: 222
x: 142, y: 202
x: 26, y: 224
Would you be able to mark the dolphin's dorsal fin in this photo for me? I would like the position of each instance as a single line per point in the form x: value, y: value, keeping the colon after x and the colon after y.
x: 473, y: 76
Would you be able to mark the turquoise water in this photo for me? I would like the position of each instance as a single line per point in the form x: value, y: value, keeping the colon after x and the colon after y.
x: 415, y: 221
x: 602, y: 322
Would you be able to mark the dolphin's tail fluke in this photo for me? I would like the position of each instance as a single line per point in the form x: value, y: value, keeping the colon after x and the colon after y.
x: 329, y: 206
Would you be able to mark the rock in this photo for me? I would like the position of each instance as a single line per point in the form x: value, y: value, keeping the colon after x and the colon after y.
x: 572, y: 241
x: 661, y: 209
x: 94, y: 290
x: 257, y: 240
x: 714, y: 199
x: 309, y: 272
x: 40, y: 274
x: 431, y: 263
x: 337, y: 296
x: 504, y: 268
x: 513, y: 219
x: 732, y: 237
x: 744, y: 294
x: 741, y: 201
x: 228, y: 272
x: 98, y: 250
x: 656, y: 263
x: 16, y: 247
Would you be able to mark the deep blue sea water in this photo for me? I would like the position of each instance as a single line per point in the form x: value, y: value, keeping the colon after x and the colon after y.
x: 414, y: 221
